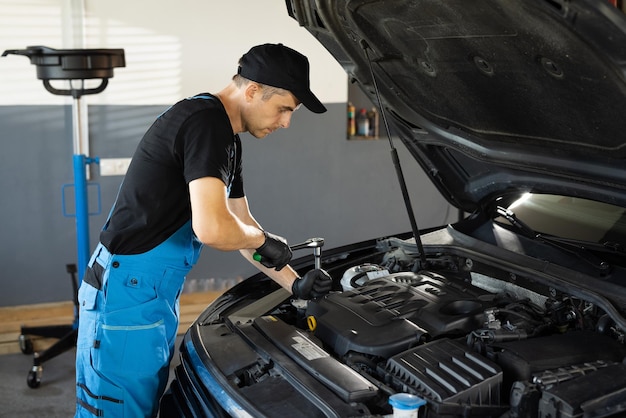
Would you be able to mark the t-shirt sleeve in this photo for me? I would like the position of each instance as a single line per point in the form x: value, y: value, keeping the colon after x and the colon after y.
x: 206, y: 148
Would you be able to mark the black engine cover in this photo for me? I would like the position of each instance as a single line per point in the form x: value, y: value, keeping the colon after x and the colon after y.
x: 396, y: 312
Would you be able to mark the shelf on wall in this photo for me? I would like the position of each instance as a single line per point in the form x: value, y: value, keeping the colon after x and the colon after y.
x: 359, y: 100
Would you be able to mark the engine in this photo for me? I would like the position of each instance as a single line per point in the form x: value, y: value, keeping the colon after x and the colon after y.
x: 473, y: 345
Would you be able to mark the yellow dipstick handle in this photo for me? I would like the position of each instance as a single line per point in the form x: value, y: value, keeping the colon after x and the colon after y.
x: 311, y: 322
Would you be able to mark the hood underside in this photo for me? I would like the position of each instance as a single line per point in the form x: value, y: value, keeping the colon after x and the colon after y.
x: 491, y: 96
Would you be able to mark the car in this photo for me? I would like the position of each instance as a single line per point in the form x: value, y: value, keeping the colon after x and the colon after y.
x: 515, y: 110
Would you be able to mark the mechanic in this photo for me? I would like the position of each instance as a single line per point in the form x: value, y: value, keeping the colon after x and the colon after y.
x: 183, y: 189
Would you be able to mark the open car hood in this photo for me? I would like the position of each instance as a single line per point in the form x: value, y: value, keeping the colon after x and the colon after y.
x: 491, y: 96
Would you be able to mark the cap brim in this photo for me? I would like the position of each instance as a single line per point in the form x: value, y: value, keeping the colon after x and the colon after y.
x: 309, y: 101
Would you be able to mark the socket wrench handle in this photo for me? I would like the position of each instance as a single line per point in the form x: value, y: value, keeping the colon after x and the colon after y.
x: 310, y: 243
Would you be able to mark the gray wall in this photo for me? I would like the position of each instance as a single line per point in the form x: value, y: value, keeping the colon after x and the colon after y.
x: 307, y: 181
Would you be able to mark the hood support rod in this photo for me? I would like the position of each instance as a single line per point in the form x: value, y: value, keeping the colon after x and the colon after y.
x: 396, y: 163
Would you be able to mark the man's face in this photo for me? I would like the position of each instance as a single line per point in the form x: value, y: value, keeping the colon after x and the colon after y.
x: 262, y: 117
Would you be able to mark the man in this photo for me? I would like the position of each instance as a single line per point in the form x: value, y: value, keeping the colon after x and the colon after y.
x: 183, y: 189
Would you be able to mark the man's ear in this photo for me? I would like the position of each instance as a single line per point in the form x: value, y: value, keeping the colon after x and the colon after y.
x: 251, y: 89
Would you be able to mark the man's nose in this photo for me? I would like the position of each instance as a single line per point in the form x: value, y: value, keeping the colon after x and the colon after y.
x: 285, y: 120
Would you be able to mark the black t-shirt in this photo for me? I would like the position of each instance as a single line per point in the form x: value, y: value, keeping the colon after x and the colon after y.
x: 191, y: 140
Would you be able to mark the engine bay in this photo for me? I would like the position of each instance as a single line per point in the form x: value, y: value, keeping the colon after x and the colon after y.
x: 469, y: 333
x: 469, y: 343
x: 461, y: 347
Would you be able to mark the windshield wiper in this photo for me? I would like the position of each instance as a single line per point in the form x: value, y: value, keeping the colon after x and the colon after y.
x: 581, y: 248
x: 606, y: 247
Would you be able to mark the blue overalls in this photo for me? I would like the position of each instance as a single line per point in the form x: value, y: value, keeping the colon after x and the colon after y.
x: 127, y: 329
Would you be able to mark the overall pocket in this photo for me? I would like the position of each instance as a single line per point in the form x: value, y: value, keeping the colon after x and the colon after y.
x: 140, y: 350
x: 124, y: 288
x: 132, y: 331
x: 88, y: 303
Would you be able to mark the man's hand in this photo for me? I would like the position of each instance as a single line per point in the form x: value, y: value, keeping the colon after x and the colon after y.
x: 313, y: 284
x: 274, y: 252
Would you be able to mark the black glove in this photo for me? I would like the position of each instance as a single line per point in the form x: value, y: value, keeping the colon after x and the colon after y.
x: 274, y: 252
x: 314, y: 284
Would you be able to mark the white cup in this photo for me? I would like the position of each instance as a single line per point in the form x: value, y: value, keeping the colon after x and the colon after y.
x: 405, y: 405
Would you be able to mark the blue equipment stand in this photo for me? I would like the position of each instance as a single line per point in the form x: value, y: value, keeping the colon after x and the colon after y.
x: 71, y: 64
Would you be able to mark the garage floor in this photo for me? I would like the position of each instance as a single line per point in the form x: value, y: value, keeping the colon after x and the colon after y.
x: 56, y: 395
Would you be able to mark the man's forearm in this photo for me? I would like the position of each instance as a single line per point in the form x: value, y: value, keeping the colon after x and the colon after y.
x: 284, y: 277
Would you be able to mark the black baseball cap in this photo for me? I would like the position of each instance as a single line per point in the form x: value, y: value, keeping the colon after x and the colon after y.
x: 279, y: 66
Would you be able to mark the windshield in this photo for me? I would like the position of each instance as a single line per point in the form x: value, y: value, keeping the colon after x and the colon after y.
x: 571, y: 217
